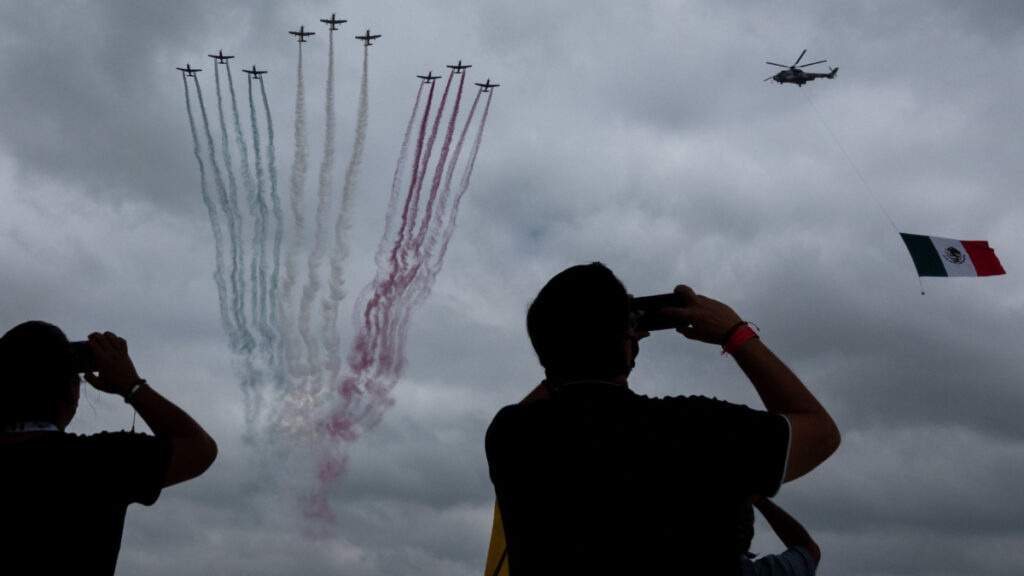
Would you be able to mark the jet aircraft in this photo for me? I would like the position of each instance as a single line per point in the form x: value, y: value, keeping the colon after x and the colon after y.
x: 332, y: 21
x: 429, y: 78
x: 367, y: 37
x: 254, y: 74
x: 486, y: 86
x: 301, y: 33
x: 220, y: 57
x: 190, y: 71
x: 459, y: 67
x: 794, y: 75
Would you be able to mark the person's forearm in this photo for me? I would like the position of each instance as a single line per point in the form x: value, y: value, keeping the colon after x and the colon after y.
x: 814, y: 435
x: 194, y: 449
x: 787, y: 528
x: 163, y: 417
x: 779, y: 388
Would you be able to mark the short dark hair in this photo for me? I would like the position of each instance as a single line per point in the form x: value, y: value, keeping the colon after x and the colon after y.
x: 35, y: 370
x: 577, y: 323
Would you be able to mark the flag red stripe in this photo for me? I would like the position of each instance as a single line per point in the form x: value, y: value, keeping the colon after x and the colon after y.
x: 984, y: 258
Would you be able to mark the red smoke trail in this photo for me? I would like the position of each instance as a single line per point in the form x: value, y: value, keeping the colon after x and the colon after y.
x: 411, y: 199
x: 435, y: 185
x: 421, y: 167
x: 389, y: 279
x: 406, y: 269
x: 361, y: 355
x: 409, y: 284
x: 390, y: 324
x: 449, y: 229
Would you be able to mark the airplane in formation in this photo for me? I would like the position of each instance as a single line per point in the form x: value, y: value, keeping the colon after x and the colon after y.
x: 254, y: 74
x: 301, y: 33
x: 486, y: 86
x: 367, y: 37
x: 220, y: 57
x: 332, y: 21
x: 190, y: 71
x: 459, y: 67
x: 429, y: 78
x: 794, y: 75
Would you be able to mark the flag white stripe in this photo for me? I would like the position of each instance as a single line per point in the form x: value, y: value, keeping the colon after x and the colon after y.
x: 954, y: 257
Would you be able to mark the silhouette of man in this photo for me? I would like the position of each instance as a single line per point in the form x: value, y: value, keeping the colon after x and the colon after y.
x: 63, y: 497
x: 592, y: 478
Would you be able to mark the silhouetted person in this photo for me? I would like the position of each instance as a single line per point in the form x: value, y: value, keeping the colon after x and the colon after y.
x: 596, y: 479
x: 802, y: 553
x: 63, y: 496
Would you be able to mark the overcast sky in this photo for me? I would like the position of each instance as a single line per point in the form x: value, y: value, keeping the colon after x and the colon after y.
x: 640, y: 134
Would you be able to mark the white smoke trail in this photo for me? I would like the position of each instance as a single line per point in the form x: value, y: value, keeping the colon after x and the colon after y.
x: 275, y: 203
x: 298, y: 181
x: 258, y: 208
x: 316, y: 255
x: 331, y: 335
x: 231, y: 211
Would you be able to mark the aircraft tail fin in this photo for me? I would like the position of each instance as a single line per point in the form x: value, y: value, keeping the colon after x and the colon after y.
x: 832, y: 72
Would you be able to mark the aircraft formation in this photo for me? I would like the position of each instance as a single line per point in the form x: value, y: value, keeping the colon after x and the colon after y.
x: 282, y: 318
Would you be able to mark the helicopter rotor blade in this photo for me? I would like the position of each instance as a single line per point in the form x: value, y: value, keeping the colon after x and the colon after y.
x: 774, y: 64
x: 813, y: 63
x: 800, y: 58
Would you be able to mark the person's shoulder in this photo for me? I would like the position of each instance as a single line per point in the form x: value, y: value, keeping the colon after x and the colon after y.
x: 696, y: 404
x: 121, y: 440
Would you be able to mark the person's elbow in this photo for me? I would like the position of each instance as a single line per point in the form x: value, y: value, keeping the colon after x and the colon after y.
x: 190, y: 457
x: 829, y: 437
x: 814, y: 438
x: 814, y: 551
x: 208, y: 453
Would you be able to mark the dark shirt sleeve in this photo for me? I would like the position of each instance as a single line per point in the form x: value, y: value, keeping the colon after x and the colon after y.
x: 747, y: 449
x: 132, y: 465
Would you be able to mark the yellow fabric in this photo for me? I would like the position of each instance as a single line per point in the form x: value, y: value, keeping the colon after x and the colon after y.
x: 496, y: 553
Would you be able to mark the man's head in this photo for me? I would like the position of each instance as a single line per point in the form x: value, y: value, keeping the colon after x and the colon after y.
x: 38, y: 381
x: 579, y: 325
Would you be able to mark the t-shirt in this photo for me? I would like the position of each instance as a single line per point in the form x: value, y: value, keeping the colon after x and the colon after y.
x: 795, y: 561
x: 600, y: 480
x: 63, y: 498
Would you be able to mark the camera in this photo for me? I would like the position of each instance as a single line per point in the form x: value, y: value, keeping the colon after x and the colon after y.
x: 650, y: 320
x: 82, y: 359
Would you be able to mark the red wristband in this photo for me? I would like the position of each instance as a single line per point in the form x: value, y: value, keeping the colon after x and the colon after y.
x: 740, y: 335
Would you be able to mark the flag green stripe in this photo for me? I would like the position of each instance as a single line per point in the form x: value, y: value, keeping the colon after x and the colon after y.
x: 926, y: 258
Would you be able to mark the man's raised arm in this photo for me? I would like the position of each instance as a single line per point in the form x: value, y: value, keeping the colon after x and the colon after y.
x: 814, y: 436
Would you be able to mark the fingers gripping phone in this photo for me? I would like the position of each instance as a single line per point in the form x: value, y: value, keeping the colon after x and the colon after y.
x: 650, y: 320
x: 81, y: 357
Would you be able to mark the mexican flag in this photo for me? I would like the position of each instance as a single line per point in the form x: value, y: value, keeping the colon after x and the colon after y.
x: 934, y: 256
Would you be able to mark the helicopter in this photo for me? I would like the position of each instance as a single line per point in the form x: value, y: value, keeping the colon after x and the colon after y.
x: 794, y: 75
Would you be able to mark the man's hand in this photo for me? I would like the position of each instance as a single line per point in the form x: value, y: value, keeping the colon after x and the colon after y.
x: 116, y: 372
x: 703, y: 318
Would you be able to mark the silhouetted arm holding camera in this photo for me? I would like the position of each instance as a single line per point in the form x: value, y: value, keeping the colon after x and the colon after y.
x: 814, y: 436
x: 193, y: 450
